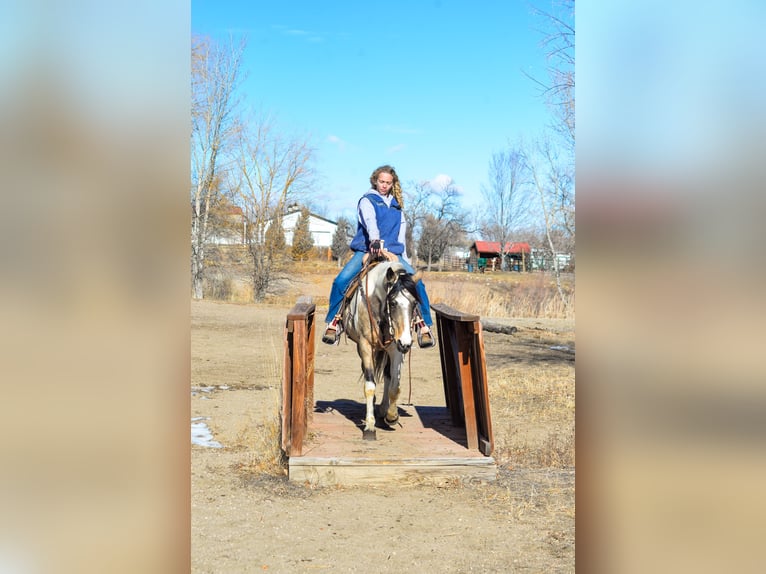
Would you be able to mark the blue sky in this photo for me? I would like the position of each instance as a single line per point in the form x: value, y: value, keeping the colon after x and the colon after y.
x: 432, y: 88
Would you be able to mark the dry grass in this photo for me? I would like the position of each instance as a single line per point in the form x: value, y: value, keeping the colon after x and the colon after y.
x: 525, y: 493
x: 533, y: 412
x: 502, y: 294
x: 490, y: 294
x: 538, y: 394
x: 261, y: 444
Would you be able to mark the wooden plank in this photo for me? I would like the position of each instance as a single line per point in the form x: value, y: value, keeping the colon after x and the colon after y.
x: 298, y: 377
x: 310, y: 334
x: 466, y: 385
x: 299, y: 414
x: 357, y: 461
x: 335, y: 473
x: 425, y: 447
x: 300, y: 310
x: 287, y: 388
x: 450, y: 369
x: 422, y: 431
x: 453, y: 314
x: 481, y: 391
x: 442, y: 337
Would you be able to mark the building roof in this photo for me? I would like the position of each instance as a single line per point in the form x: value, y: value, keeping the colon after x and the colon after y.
x: 314, y: 215
x: 494, y: 247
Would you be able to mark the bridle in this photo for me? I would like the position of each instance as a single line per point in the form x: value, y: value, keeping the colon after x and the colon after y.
x: 388, y: 331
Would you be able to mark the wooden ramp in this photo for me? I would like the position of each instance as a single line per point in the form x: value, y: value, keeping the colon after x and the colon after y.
x: 424, y: 447
x: 433, y: 444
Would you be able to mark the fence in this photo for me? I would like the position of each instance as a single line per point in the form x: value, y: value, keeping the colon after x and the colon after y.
x: 298, y: 380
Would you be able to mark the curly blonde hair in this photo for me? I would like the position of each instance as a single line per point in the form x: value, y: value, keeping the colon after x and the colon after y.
x: 396, y: 188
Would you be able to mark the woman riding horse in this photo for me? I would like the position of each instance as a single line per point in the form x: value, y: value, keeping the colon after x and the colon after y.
x: 380, y: 231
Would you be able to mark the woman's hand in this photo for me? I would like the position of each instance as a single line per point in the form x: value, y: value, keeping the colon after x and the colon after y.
x: 376, y: 249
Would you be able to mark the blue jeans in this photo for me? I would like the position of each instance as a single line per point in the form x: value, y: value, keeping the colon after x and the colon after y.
x: 351, y: 269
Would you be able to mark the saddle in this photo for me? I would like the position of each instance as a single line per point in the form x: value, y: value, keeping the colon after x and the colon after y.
x: 354, y: 285
x: 424, y: 339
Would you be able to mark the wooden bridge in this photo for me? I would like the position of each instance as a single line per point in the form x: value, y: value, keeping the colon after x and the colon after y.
x: 435, y: 444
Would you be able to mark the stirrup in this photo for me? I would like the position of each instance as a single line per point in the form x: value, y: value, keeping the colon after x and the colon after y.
x: 332, y: 333
x: 425, y: 340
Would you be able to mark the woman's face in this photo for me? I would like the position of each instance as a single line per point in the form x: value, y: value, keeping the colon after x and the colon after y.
x: 385, y: 183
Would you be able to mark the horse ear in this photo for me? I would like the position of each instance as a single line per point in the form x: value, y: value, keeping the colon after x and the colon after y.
x: 418, y: 276
x: 391, y: 277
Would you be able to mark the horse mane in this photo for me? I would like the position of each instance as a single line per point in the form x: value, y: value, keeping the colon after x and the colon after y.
x: 407, y: 282
x: 404, y: 279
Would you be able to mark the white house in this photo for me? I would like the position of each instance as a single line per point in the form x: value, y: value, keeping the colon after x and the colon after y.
x: 322, y: 230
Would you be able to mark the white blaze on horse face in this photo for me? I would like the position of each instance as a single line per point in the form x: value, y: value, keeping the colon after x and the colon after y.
x: 404, y: 332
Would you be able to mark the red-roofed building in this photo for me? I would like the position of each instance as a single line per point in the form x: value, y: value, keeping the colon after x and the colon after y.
x: 487, y: 254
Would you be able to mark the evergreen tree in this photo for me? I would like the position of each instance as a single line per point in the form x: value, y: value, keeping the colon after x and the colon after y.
x: 303, y: 242
x: 275, y: 239
x: 340, y: 240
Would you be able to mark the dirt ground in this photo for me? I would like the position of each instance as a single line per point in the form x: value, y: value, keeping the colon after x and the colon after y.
x: 244, y: 520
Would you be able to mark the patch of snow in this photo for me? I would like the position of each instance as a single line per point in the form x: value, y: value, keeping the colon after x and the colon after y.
x: 562, y: 348
x: 201, y: 435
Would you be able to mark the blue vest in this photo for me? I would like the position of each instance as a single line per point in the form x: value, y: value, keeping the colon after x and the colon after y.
x: 389, y: 221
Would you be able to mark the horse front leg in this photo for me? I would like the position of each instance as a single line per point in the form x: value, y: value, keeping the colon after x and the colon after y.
x: 365, y: 353
x: 392, y: 389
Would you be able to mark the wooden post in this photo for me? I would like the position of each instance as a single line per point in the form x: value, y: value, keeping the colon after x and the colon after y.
x: 298, y: 414
x: 298, y: 381
x: 287, y: 388
x: 466, y: 386
x: 464, y: 374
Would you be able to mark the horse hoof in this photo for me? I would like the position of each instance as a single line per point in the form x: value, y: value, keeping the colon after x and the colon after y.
x: 369, y: 435
x: 393, y: 421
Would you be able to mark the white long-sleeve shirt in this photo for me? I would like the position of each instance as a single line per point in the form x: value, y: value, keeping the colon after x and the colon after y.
x: 366, y: 214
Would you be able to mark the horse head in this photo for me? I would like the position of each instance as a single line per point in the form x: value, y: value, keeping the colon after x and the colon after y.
x: 400, y: 302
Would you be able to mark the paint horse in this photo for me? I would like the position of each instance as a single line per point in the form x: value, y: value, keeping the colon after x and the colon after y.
x: 379, y: 319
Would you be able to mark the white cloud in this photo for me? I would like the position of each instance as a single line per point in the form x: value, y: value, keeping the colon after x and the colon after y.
x: 299, y: 33
x: 396, y: 148
x: 441, y: 182
x: 335, y: 140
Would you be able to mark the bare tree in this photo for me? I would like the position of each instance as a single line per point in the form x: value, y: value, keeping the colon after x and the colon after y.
x: 507, y: 199
x: 436, y: 237
x: 552, y: 164
x: 553, y: 185
x: 443, y: 224
x: 271, y: 170
x: 215, y: 76
x: 558, y: 89
x: 416, y: 207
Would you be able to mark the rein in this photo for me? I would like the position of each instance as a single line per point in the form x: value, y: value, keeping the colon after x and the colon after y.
x: 373, y: 328
x: 409, y: 372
